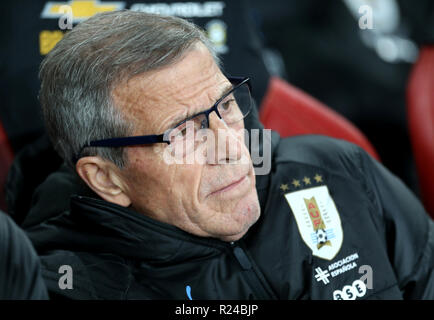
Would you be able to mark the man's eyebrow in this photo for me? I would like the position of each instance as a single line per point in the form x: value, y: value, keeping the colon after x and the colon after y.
x: 224, y: 90
x: 175, y: 121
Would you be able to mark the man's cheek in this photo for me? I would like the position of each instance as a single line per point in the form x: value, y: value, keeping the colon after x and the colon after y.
x: 223, y: 207
x: 188, y: 178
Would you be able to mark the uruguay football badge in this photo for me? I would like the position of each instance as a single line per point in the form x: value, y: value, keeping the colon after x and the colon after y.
x: 317, y: 220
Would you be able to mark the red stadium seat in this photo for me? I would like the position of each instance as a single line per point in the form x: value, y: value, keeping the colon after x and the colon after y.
x: 420, y: 108
x: 6, y: 157
x: 291, y: 112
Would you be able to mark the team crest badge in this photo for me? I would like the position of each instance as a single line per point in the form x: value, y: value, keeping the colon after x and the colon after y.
x: 317, y: 220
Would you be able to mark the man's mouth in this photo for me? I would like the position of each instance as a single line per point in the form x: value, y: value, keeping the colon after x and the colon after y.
x: 233, y: 188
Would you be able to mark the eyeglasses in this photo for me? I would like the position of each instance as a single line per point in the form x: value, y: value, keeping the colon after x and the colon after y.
x: 232, y: 107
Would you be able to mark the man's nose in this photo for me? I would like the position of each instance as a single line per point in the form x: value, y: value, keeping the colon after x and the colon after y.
x: 227, y: 147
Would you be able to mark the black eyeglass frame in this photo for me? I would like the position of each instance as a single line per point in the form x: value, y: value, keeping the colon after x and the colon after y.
x: 159, y: 138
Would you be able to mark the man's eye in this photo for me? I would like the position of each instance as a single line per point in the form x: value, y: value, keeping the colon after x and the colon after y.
x: 178, y: 133
x: 186, y: 127
x: 183, y: 132
x: 203, y: 124
x: 226, y: 105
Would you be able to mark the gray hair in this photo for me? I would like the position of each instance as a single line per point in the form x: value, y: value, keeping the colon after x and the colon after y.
x: 79, y: 74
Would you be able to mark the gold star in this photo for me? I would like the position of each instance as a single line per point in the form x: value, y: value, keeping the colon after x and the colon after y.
x: 318, y: 178
x: 296, y: 183
x: 284, y: 187
x: 306, y: 180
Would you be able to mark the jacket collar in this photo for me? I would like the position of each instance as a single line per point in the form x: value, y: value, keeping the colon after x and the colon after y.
x: 97, y: 226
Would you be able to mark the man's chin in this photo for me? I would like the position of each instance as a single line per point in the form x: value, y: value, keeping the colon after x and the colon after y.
x: 246, y: 212
x: 233, y: 238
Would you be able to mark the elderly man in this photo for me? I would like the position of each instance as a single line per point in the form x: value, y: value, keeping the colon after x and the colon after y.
x: 125, y: 92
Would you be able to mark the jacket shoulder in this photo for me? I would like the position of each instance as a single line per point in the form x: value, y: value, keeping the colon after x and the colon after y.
x: 319, y: 151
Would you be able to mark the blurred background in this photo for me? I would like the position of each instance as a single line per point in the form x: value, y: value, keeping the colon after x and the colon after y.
x: 338, y: 67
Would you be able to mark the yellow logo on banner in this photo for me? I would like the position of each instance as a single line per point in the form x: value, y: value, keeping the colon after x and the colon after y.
x: 48, y: 39
x: 80, y: 9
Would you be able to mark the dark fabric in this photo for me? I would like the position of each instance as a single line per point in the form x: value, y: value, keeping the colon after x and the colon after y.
x: 117, y: 253
x: 20, y: 271
x: 30, y: 168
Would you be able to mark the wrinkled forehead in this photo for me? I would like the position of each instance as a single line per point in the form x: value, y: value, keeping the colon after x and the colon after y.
x: 154, y: 99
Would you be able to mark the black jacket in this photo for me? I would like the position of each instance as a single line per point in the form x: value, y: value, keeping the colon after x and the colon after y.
x: 116, y: 253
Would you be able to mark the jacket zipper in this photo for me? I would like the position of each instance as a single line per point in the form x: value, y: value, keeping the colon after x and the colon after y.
x: 260, y: 289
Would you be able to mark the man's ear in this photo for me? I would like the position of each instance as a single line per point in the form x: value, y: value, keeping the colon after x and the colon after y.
x: 101, y: 176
